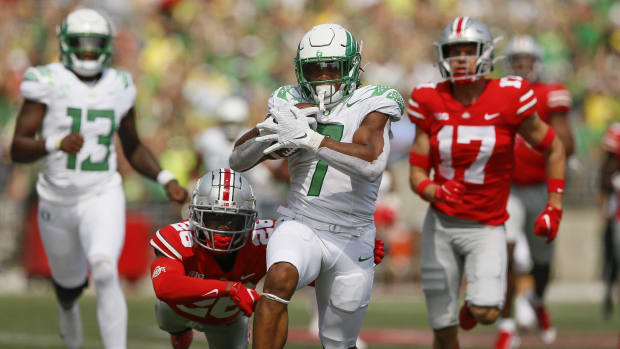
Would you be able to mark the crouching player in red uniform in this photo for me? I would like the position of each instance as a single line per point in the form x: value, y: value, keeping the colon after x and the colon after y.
x: 465, y: 131
x: 208, y: 265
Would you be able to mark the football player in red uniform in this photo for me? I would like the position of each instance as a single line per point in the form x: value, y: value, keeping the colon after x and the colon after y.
x: 528, y: 194
x: 465, y: 131
x: 208, y: 265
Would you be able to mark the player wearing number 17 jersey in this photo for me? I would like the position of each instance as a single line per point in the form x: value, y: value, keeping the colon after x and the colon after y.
x: 75, y: 107
x: 465, y: 130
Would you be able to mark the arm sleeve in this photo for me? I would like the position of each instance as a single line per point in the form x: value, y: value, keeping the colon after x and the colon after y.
x: 171, y: 285
x: 559, y: 100
x: 356, y: 167
x: 246, y: 155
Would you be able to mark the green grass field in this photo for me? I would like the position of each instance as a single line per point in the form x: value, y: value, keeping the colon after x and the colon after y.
x: 29, y: 321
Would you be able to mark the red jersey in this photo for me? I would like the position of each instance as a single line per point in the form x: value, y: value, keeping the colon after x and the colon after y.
x: 532, y: 164
x: 474, y: 144
x: 175, y: 241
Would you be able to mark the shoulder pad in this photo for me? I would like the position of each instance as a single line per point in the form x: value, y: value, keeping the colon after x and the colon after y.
x: 174, y: 240
x: 262, y: 231
x: 124, y: 77
x: 285, y: 95
x: 37, y: 84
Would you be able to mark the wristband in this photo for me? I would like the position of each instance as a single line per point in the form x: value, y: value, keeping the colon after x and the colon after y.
x: 547, y: 140
x: 420, y: 189
x: 421, y: 160
x: 555, y: 185
x: 52, y: 144
x: 315, y: 140
x: 164, y: 177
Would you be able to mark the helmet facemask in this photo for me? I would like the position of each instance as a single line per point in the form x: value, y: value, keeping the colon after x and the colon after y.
x: 221, y: 231
x: 86, y: 42
x: 466, y: 31
x: 524, y: 58
x: 222, y: 211
x: 327, y: 65
x: 328, y: 92
x: 483, y: 59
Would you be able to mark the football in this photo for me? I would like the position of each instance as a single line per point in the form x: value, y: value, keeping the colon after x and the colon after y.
x: 286, y: 152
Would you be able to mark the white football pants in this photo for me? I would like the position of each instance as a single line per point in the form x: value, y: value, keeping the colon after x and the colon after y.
x: 90, y: 233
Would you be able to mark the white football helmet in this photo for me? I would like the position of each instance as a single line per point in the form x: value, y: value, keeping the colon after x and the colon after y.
x: 524, y: 45
x: 86, y: 41
x: 222, y: 211
x: 464, y: 30
x: 328, y: 46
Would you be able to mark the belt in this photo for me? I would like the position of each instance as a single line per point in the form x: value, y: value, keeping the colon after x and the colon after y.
x: 333, y: 228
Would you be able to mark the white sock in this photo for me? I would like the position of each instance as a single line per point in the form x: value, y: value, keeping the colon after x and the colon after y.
x: 70, y: 323
x: 506, y: 324
x: 111, y: 305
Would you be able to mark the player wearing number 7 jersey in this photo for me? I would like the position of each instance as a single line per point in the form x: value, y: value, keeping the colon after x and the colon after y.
x: 75, y: 108
x: 326, y: 232
x: 465, y: 132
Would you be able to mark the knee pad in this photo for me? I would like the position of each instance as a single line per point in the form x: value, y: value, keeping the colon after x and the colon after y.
x: 350, y: 292
x: 67, y: 296
x: 103, y: 270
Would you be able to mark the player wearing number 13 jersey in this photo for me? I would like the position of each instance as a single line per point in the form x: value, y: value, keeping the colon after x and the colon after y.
x: 465, y: 130
x: 75, y: 107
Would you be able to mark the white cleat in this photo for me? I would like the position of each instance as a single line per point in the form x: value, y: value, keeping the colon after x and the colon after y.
x: 71, y: 326
x: 548, y: 336
x: 360, y: 344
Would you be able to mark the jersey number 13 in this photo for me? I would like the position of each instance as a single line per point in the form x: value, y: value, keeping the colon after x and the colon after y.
x: 104, y: 139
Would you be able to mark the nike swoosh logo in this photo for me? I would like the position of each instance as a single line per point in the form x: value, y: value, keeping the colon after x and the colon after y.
x: 246, y: 276
x: 360, y: 259
x: 302, y: 137
x: 490, y: 116
x: 349, y: 105
x: 208, y: 293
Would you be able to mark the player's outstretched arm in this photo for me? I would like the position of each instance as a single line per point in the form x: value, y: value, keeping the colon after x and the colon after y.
x: 247, y: 152
x: 25, y: 147
x: 366, y: 156
x: 143, y: 161
x: 543, y: 139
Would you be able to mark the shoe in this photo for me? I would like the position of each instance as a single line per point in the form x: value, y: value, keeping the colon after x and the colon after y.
x: 547, y: 331
x: 182, y: 340
x: 466, y: 320
x: 507, y: 340
x: 71, y: 326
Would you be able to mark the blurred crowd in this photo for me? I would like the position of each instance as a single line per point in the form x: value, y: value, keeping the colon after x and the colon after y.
x: 188, y: 56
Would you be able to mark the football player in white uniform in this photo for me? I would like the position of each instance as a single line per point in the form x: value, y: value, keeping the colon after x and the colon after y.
x: 326, y: 232
x: 75, y: 107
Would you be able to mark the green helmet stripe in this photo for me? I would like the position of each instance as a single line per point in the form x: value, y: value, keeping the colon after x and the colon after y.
x: 348, y: 51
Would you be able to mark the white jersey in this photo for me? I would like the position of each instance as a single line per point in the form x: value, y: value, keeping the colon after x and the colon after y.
x: 322, y: 192
x: 95, y: 111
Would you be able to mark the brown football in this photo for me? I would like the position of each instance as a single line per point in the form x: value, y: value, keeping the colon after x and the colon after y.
x: 286, y: 152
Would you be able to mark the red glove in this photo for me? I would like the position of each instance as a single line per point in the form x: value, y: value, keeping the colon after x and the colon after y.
x: 245, y: 298
x: 379, y: 251
x: 450, y: 191
x: 548, y: 222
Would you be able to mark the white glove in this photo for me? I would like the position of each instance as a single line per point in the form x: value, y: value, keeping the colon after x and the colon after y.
x: 290, y: 129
